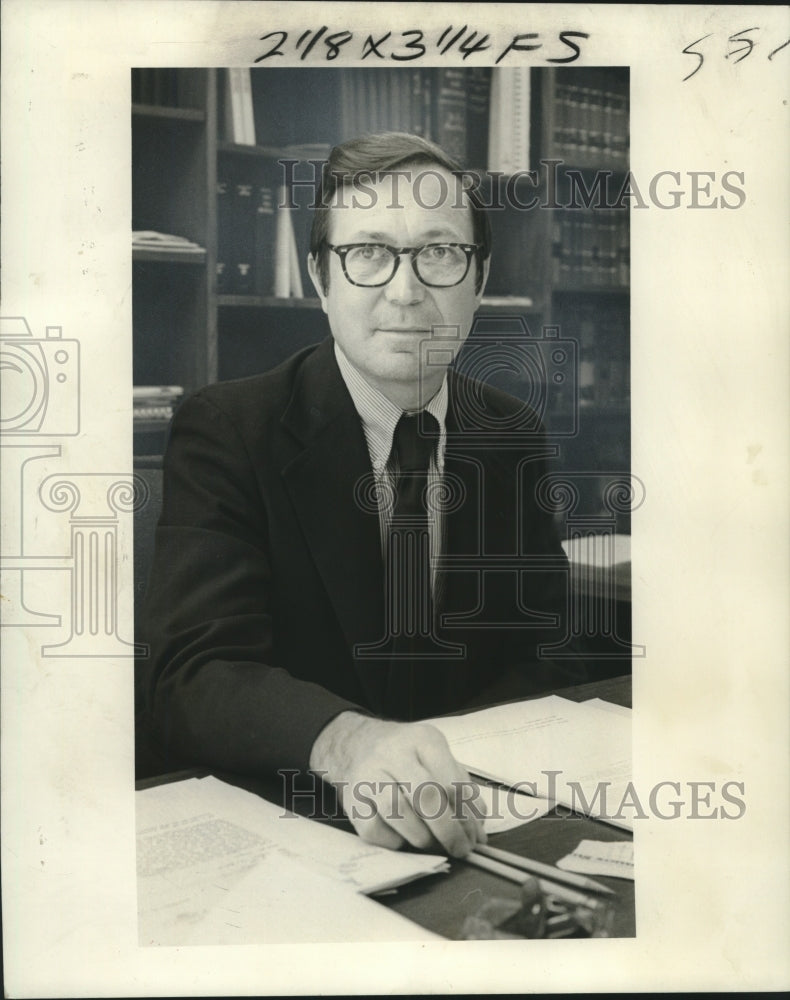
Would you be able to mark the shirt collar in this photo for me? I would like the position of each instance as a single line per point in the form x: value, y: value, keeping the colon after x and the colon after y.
x: 380, y: 415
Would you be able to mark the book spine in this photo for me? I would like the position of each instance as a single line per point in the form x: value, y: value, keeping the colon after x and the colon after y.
x: 282, y: 248
x: 224, y: 228
x: 587, y: 250
x: 416, y: 108
x: 236, y: 105
x: 582, y: 129
x: 404, y: 94
x: 156, y: 392
x: 392, y: 83
x: 494, y: 153
x: 372, y: 101
x: 247, y: 115
x: 348, y: 104
x: 559, y: 135
x: 161, y: 412
x: 294, y: 272
x: 623, y: 251
x: 520, y: 120
x: 244, y: 234
x: 596, y: 126
x: 621, y: 130
x: 265, y: 239
x: 477, y: 115
x: 450, y: 112
x: 510, y: 120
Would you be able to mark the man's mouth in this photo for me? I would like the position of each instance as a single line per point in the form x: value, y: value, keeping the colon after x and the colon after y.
x: 404, y: 329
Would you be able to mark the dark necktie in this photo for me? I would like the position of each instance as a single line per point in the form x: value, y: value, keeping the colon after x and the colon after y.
x: 408, y: 595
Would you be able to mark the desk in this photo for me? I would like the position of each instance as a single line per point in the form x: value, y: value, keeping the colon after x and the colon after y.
x: 441, y: 903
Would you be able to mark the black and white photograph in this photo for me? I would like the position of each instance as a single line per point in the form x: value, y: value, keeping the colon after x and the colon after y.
x: 377, y: 529
x: 394, y: 560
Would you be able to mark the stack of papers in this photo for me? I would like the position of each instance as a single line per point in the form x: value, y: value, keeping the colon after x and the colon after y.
x: 574, y: 754
x: 217, y: 864
x: 149, y: 239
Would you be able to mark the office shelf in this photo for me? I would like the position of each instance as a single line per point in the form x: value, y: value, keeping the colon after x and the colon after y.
x: 189, y: 330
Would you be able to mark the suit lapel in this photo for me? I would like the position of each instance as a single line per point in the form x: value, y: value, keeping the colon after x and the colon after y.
x: 477, y: 474
x: 490, y: 521
x: 329, y: 483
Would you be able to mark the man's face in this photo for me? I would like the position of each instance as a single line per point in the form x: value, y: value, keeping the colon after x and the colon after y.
x: 380, y: 330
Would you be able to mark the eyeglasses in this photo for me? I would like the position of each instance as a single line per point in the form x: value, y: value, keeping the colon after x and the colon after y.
x: 437, y: 265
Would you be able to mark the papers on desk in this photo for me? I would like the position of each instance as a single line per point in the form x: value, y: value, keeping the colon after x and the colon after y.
x: 575, y: 754
x: 507, y: 809
x: 217, y: 864
x: 596, y: 857
x: 283, y: 903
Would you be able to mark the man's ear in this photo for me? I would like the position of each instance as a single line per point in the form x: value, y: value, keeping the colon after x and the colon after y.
x: 315, y: 277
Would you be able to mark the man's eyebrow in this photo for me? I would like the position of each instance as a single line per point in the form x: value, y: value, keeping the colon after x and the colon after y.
x: 445, y: 234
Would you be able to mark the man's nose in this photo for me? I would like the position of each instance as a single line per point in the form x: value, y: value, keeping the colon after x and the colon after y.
x: 405, y: 288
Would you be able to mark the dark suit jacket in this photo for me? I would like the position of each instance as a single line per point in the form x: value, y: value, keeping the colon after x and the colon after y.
x: 268, y: 573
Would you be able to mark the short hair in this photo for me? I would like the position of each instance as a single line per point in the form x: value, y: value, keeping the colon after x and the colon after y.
x: 371, y: 155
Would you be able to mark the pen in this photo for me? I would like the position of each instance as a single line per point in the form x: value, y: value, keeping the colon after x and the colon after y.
x: 541, y: 870
x: 514, y: 875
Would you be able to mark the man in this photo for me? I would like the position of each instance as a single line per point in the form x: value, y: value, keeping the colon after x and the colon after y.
x: 294, y: 622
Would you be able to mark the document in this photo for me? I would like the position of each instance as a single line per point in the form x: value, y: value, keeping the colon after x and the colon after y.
x: 206, y: 850
x: 506, y: 809
x: 281, y: 902
x: 597, y: 857
x: 573, y: 754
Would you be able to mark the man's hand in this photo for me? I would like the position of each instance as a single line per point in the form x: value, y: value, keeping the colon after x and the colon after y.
x: 399, y: 783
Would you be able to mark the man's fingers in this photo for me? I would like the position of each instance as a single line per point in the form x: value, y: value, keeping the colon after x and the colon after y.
x: 374, y: 830
x: 433, y: 807
x: 465, y: 802
x: 393, y: 807
x: 405, y: 786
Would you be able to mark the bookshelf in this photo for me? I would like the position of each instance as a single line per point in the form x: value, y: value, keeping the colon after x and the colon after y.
x: 566, y: 267
x: 173, y: 302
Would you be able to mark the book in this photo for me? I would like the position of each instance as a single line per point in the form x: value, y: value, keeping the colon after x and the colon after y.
x: 233, y: 104
x: 240, y: 122
x: 591, y: 121
x: 163, y: 412
x: 294, y: 270
x: 419, y: 103
x: 155, y: 402
x: 164, y: 243
x: 265, y: 236
x: 477, y: 114
x: 156, y: 392
x: 224, y: 237
x: 509, y: 125
x: 449, y: 111
x: 157, y: 86
x: 247, y: 113
x: 282, y: 248
x: 294, y: 104
x: 243, y: 235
